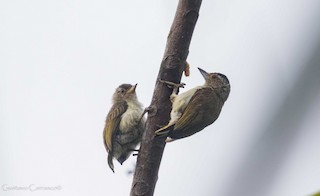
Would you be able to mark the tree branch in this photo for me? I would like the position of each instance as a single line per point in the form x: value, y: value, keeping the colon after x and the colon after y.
x: 172, y: 66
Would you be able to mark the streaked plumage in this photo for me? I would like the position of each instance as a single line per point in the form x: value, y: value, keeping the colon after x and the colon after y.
x: 196, y: 108
x: 123, y: 132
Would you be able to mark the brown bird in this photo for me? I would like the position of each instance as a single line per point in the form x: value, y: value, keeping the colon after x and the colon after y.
x: 124, y: 127
x: 196, y: 108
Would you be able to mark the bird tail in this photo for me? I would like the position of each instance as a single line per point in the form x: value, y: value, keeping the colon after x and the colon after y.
x: 164, y: 131
x: 110, y: 161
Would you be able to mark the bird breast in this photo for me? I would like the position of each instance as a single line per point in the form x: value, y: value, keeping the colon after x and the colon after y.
x: 180, y: 103
x: 130, y: 117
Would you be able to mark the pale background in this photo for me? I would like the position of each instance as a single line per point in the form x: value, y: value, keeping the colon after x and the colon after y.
x: 61, y: 60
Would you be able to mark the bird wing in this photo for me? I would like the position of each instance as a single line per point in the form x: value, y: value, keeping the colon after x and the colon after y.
x: 193, y: 116
x: 112, y: 123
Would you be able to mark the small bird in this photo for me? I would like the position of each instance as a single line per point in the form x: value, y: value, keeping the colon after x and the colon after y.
x: 124, y: 127
x: 196, y: 108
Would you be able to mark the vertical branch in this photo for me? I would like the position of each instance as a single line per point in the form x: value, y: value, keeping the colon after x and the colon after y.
x: 172, y: 66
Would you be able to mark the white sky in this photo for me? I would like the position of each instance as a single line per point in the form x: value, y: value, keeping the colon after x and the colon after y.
x: 61, y: 60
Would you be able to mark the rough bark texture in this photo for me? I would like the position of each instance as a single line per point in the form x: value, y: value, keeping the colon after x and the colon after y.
x: 172, y: 66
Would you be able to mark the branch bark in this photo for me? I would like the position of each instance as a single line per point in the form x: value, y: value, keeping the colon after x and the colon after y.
x: 171, y: 68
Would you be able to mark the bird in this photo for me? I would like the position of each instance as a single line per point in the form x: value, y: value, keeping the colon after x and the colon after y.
x: 123, y: 126
x: 196, y: 108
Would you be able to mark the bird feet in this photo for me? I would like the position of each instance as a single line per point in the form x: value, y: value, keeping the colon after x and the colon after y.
x: 150, y: 110
x: 173, y: 85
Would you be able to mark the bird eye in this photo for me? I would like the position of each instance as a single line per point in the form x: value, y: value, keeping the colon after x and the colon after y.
x: 120, y: 90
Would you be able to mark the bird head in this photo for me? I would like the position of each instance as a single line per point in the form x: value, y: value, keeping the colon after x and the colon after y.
x: 125, y: 92
x: 216, y: 81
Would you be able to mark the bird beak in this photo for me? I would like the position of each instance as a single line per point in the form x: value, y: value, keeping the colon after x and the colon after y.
x: 132, y: 89
x: 204, y: 73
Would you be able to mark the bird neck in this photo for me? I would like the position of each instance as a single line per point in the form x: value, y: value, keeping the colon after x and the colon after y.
x: 134, y: 103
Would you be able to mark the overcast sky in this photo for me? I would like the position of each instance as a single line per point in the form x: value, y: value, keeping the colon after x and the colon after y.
x: 61, y: 60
